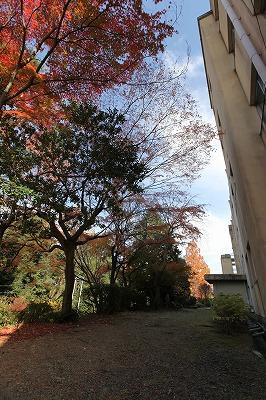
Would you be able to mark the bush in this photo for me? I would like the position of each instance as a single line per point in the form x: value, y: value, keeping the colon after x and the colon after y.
x: 61, y: 318
x: 205, y: 302
x: 109, y: 299
x: 39, y: 312
x: 230, y: 312
x: 7, y: 316
x: 190, y: 301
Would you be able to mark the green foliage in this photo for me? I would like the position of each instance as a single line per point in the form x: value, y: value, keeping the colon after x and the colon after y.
x: 205, y: 302
x: 7, y: 316
x: 13, y: 191
x: 159, y: 271
x: 6, y: 279
x: 191, y: 301
x: 36, y: 279
x: 88, y: 164
x: 156, y: 266
x: 89, y: 156
x: 40, y: 312
x: 108, y: 299
x: 230, y: 312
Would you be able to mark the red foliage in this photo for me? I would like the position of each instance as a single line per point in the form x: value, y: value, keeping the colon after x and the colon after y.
x: 30, y: 331
x: 33, y: 330
x: 65, y: 49
x: 18, y: 304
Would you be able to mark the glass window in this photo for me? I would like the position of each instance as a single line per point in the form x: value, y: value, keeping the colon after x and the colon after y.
x: 231, y: 36
x: 260, y: 101
x: 256, y: 6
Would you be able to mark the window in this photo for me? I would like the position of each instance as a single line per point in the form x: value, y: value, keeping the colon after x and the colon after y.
x: 209, y: 84
x: 260, y: 101
x: 259, y: 6
x: 226, y: 28
x: 255, y: 6
x: 214, y: 8
x: 230, y: 170
x: 219, y: 121
x: 231, y: 36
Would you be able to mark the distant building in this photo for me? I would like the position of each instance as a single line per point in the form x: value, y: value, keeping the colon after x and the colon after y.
x: 233, y: 36
x: 229, y: 284
x: 230, y: 281
x: 228, y: 263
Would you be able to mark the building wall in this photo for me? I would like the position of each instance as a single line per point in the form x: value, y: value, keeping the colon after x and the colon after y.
x: 235, y: 287
x: 235, y: 245
x: 231, y: 83
x: 227, y: 265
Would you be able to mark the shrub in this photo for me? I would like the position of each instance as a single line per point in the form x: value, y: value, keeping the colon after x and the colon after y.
x: 7, y: 316
x: 38, y: 312
x: 230, y: 312
x: 61, y: 318
x: 205, y: 302
x: 191, y: 301
x: 109, y: 299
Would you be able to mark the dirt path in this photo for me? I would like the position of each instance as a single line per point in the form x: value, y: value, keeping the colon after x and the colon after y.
x: 134, y: 356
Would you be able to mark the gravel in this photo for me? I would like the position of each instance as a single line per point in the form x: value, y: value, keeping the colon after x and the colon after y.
x: 134, y: 356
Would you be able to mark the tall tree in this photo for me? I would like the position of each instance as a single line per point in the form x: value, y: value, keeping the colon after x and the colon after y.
x: 64, y: 49
x: 163, y: 118
x: 198, y: 269
x: 156, y: 265
x: 79, y: 169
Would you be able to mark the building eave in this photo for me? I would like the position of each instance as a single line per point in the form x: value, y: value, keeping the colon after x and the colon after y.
x: 205, y: 15
x: 214, y: 278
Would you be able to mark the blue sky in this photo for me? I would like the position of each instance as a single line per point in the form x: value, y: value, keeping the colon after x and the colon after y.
x: 211, y: 189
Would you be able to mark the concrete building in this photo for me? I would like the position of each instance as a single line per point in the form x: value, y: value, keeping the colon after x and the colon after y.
x: 228, y: 264
x: 229, y: 284
x: 233, y: 36
x: 230, y: 281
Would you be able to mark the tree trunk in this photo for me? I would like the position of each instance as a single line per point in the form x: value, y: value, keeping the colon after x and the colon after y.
x: 113, y: 266
x: 69, y: 280
x: 2, y: 232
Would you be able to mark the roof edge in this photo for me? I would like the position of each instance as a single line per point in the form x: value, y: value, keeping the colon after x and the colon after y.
x: 207, y: 14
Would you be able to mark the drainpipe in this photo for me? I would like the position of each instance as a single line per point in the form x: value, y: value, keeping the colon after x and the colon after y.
x: 246, y: 42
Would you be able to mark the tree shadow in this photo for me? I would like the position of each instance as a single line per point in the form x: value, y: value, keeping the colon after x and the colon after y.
x: 27, y: 331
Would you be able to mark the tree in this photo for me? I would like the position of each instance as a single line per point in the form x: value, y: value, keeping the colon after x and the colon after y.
x: 25, y: 259
x: 177, y: 214
x: 79, y: 169
x: 69, y: 49
x: 92, y: 267
x: 13, y: 195
x: 205, y: 291
x: 198, y: 268
x: 163, y: 119
x: 38, y: 276
x: 12, y: 204
x: 156, y: 267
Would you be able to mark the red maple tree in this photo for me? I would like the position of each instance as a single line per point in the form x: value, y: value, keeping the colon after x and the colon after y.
x: 65, y: 49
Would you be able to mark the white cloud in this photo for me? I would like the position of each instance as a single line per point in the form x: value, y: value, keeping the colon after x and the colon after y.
x: 200, y: 94
x: 195, y: 67
x: 213, y: 176
x: 215, y: 240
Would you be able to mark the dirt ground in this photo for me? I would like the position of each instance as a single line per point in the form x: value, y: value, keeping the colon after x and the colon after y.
x: 134, y: 356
